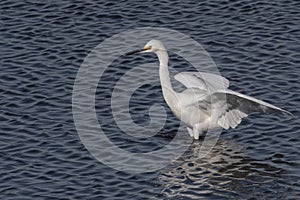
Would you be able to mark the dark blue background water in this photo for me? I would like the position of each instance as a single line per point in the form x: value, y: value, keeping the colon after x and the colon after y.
x: 256, y: 46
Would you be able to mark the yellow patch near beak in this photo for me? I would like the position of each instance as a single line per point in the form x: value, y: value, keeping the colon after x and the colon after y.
x: 147, y: 48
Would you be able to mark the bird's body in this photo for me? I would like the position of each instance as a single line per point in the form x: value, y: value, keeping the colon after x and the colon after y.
x: 207, y: 103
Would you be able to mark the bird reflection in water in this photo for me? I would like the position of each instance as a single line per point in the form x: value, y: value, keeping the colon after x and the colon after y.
x: 225, y: 171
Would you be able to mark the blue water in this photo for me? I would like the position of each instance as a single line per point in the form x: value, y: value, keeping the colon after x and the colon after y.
x: 255, y: 45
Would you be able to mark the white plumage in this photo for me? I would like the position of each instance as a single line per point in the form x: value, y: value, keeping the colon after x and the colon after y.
x: 207, y: 103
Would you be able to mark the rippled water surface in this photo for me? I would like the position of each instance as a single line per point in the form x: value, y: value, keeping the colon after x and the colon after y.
x: 255, y: 45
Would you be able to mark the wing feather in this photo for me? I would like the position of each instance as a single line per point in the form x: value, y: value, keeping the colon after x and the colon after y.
x: 202, y: 80
x: 230, y: 107
x: 238, y: 106
x: 247, y: 105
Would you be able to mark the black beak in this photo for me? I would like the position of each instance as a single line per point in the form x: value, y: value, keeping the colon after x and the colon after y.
x: 134, y: 52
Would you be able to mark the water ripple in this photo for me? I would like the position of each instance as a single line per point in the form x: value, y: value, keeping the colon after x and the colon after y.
x: 255, y: 44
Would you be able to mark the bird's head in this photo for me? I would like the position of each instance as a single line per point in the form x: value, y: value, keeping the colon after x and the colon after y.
x: 151, y: 46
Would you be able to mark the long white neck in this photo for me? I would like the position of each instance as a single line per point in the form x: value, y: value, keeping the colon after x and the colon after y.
x: 166, y: 86
x: 163, y: 69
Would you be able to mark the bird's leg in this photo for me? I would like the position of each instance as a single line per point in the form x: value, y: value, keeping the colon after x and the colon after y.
x: 190, y: 131
x: 197, y: 129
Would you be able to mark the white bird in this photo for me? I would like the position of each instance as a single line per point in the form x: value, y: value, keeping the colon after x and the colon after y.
x: 207, y: 103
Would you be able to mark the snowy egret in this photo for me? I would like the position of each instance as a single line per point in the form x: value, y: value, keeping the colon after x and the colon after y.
x: 207, y: 103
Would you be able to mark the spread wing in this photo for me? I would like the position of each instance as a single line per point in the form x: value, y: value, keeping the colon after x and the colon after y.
x: 202, y: 80
x: 233, y: 107
x: 209, y: 92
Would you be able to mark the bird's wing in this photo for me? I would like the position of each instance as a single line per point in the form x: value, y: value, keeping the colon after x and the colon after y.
x: 228, y: 108
x: 233, y: 106
x: 202, y: 80
x: 195, y: 97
